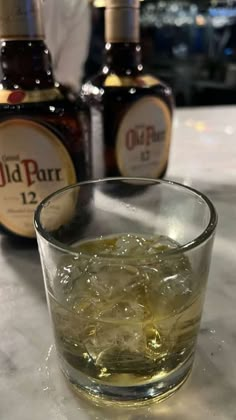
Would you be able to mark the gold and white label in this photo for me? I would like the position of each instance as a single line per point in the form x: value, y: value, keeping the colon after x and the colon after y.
x: 33, y: 164
x: 143, y: 139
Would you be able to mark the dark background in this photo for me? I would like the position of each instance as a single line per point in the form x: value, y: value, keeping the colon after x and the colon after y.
x: 191, y: 46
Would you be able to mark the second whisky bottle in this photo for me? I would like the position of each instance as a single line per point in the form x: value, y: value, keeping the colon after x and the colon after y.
x: 131, y: 111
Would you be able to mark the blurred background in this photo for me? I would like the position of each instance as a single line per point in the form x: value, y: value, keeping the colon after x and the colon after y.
x: 190, y: 45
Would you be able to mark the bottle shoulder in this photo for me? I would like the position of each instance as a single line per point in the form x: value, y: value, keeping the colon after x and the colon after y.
x: 111, y: 79
x: 51, y: 101
x: 103, y: 88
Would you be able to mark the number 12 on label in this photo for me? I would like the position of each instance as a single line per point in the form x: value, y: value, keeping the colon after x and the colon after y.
x: 29, y: 198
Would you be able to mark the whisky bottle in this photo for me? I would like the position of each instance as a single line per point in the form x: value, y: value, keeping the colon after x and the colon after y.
x: 131, y: 111
x: 43, y: 135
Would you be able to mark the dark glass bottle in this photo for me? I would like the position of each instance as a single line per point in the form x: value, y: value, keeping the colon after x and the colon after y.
x: 131, y: 111
x: 43, y: 134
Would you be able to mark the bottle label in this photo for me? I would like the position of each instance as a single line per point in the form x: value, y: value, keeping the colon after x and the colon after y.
x: 33, y: 164
x: 143, y: 139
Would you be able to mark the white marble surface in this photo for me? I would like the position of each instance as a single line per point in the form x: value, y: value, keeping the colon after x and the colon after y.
x: 31, y: 387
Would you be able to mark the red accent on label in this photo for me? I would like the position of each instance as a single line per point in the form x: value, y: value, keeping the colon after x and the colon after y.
x: 28, y: 171
x: 16, y: 97
x: 131, y: 139
x: 31, y: 168
x: 140, y: 135
x: 140, y: 82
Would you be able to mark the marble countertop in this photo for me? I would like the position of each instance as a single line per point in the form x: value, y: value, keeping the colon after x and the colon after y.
x: 31, y: 387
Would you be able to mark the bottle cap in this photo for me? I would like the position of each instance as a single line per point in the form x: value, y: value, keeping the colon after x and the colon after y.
x: 122, y: 21
x: 122, y: 3
x: 21, y: 19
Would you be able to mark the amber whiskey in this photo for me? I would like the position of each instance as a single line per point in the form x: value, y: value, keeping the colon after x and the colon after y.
x: 43, y: 135
x: 131, y: 110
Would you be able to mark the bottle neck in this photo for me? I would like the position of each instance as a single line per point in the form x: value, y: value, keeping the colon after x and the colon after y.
x: 122, y: 34
x: 25, y: 65
x: 124, y: 58
x: 24, y: 59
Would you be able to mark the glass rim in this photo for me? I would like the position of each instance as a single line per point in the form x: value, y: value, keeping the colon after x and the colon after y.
x: 194, y: 243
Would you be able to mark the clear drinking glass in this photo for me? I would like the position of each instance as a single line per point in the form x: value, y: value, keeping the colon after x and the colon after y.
x: 125, y: 264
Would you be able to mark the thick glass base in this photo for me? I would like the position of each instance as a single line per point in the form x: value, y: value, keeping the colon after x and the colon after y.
x: 130, y: 395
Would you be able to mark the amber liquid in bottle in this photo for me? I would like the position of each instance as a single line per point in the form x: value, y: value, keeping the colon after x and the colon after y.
x: 43, y: 135
x: 131, y: 111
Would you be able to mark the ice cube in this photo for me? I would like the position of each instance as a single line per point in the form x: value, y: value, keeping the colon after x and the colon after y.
x: 160, y: 244
x: 109, y: 280
x: 108, y: 338
x: 65, y: 281
x: 125, y: 311
x: 130, y: 245
x: 173, y: 289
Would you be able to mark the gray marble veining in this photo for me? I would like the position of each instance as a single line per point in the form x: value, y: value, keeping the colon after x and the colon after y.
x: 31, y: 387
